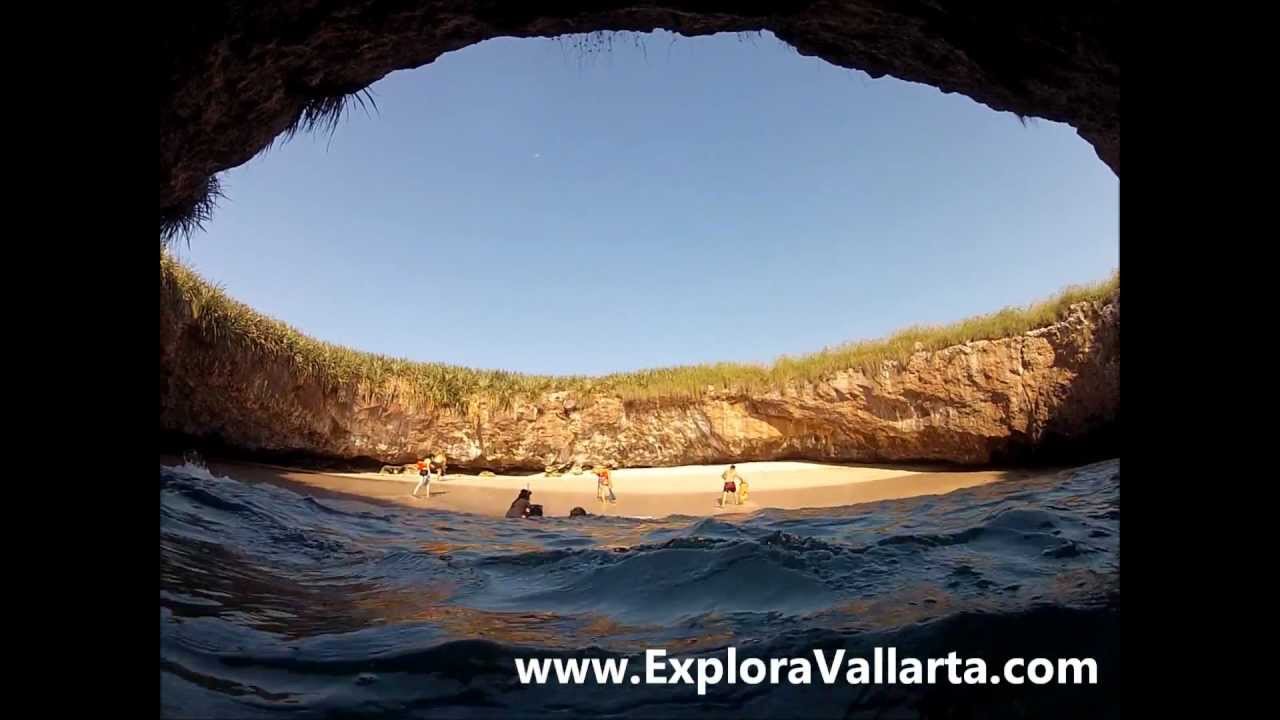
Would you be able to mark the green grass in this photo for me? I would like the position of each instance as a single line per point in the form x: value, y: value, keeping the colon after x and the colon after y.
x: 236, y: 327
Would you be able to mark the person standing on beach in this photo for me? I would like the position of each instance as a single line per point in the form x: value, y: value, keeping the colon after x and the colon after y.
x: 424, y: 475
x: 603, y: 482
x: 730, y: 488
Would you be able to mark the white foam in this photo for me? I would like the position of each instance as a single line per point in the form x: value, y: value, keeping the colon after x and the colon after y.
x: 199, y: 471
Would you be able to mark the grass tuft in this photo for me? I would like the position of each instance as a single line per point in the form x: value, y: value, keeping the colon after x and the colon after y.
x: 184, y: 221
x: 370, y: 378
x: 325, y: 113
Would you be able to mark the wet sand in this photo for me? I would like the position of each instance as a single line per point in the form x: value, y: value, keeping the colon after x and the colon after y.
x: 641, y: 492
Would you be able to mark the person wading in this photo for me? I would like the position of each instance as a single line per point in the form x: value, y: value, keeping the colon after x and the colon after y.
x: 522, y: 507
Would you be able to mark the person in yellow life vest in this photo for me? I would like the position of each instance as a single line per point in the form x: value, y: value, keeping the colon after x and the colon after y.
x: 743, y: 490
x: 439, y: 465
x: 424, y: 477
x: 604, y: 482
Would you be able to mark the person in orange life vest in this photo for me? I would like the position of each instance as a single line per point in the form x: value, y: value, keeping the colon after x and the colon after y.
x: 603, y: 482
x: 424, y: 475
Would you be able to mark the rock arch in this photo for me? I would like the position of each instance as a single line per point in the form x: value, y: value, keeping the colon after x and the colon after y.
x: 236, y: 75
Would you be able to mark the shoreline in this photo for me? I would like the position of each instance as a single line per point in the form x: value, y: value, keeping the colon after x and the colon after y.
x: 691, y: 490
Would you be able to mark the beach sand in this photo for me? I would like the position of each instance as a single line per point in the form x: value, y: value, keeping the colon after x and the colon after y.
x: 641, y: 492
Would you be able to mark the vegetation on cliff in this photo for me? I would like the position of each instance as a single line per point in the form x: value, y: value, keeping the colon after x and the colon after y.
x: 232, y: 326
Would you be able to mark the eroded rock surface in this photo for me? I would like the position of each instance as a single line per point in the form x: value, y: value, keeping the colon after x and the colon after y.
x: 982, y: 402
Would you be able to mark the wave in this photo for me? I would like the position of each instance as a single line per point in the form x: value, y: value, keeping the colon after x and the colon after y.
x: 275, y: 602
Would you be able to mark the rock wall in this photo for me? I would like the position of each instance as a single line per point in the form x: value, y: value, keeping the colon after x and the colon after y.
x: 235, y: 76
x: 1055, y: 388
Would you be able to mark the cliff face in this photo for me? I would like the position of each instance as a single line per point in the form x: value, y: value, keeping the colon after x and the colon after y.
x: 981, y: 402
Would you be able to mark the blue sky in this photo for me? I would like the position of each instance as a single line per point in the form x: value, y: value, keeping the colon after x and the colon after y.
x: 519, y: 205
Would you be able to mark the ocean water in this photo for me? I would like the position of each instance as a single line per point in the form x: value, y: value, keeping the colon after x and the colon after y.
x: 276, y: 603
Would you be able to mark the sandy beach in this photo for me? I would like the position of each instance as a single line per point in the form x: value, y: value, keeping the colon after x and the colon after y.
x: 641, y: 492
